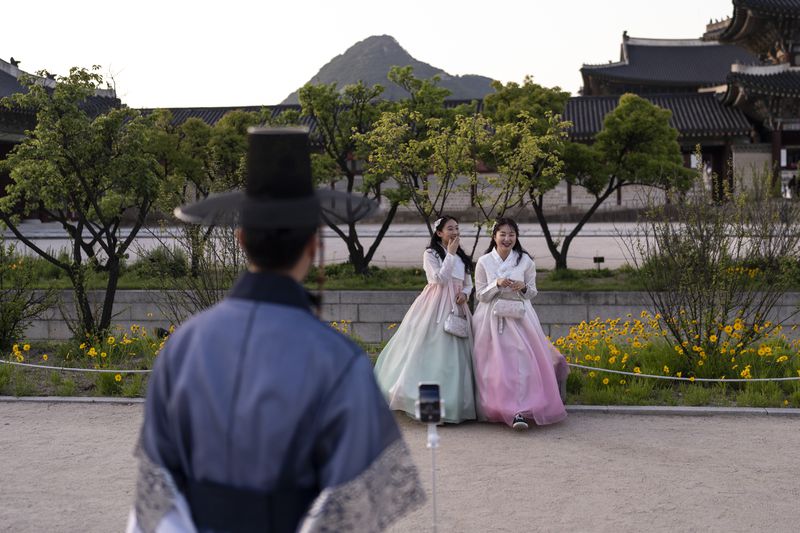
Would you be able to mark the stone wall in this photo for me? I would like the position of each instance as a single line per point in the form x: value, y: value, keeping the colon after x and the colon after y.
x: 371, y: 313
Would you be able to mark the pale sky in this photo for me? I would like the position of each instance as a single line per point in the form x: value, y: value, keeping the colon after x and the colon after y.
x: 176, y: 53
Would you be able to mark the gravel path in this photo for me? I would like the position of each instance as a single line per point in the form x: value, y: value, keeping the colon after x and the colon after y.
x: 68, y: 467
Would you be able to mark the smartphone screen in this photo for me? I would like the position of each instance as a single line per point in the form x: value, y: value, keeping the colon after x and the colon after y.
x: 429, y: 405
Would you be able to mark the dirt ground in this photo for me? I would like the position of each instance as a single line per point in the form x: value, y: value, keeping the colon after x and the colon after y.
x: 68, y: 467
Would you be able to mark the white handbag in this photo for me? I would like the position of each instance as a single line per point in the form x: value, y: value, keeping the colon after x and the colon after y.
x: 456, y: 325
x: 509, y: 309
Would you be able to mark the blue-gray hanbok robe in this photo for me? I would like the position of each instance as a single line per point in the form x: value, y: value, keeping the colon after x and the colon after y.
x: 260, y: 417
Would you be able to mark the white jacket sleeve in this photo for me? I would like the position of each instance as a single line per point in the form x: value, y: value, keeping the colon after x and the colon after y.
x: 437, y: 271
x: 467, y: 284
x: 530, y: 282
x: 484, y: 290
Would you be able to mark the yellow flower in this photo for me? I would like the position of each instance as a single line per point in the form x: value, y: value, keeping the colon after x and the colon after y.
x: 713, y: 338
x: 605, y: 381
x: 700, y: 362
x: 612, y: 359
x: 785, y: 402
x: 592, y: 374
x: 622, y: 382
x: 679, y: 374
x: 666, y: 369
x: 103, y: 354
x: 15, y: 348
x: 19, y: 357
x: 118, y: 377
x: 394, y: 325
x: 782, y: 358
x: 26, y: 347
x: 44, y: 357
x: 729, y: 330
x: 92, y: 352
x: 691, y: 378
x: 637, y: 370
x: 111, y: 341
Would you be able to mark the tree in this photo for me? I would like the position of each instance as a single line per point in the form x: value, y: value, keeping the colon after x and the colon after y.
x: 339, y: 117
x: 637, y: 146
x: 85, y: 173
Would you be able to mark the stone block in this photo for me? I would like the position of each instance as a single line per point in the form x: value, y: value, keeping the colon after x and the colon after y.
x: 561, y: 314
x: 57, y: 330
x: 378, y: 297
x: 368, y: 332
x: 632, y: 299
x: 613, y: 311
x: 381, y: 313
x: 36, y: 331
x: 557, y: 330
x: 336, y: 312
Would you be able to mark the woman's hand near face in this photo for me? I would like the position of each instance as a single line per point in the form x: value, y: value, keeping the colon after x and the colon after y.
x: 461, y: 298
x: 452, y: 246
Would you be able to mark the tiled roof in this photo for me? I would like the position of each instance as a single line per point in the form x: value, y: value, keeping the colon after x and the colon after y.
x: 212, y: 115
x: 672, y: 62
x: 770, y: 7
x: 783, y: 83
x: 9, y: 84
x: 693, y: 115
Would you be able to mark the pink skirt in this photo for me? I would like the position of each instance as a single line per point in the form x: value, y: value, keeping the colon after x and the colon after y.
x: 515, y: 368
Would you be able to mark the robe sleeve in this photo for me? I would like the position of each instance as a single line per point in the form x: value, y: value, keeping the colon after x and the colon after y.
x: 365, y: 472
x: 467, y: 284
x: 530, y: 282
x: 159, y: 505
x: 436, y: 271
x: 484, y: 289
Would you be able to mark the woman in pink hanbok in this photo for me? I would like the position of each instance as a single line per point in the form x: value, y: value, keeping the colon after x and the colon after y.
x: 519, y: 375
x: 421, y: 349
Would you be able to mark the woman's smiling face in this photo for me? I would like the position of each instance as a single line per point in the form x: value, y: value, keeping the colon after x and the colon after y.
x: 505, y: 238
x: 449, y: 231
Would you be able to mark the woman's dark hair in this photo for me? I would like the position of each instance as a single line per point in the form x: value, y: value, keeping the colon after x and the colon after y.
x: 275, y: 249
x: 437, y: 246
x: 517, y: 246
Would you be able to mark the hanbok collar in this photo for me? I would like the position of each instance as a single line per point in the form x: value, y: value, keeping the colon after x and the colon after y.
x: 269, y: 287
x: 512, y: 256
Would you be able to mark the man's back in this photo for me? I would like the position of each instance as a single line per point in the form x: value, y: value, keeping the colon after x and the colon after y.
x: 257, y: 394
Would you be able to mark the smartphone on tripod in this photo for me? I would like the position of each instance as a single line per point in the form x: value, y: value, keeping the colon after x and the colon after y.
x: 429, y: 406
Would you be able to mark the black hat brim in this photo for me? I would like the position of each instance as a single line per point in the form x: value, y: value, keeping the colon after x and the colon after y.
x: 236, y: 208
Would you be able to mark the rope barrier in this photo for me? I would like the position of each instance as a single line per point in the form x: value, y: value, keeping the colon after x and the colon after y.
x: 70, y: 369
x: 574, y: 365
x: 676, y: 378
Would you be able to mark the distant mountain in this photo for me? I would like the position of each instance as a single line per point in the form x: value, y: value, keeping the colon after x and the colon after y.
x: 370, y: 60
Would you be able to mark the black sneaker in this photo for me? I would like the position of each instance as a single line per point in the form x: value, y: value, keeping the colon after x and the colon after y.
x: 519, y: 423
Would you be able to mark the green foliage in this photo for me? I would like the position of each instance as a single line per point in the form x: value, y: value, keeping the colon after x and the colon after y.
x: 512, y: 99
x: 163, y: 262
x: 85, y: 172
x: 107, y: 385
x: 20, y: 304
x: 340, y: 116
x: 714, y: 283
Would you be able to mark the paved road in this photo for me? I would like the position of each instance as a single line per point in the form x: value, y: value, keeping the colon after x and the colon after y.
x: 404, y: 243
x: 68, y: 468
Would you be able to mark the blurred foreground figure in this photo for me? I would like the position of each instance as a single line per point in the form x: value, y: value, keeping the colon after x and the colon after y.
x: 260, y: 417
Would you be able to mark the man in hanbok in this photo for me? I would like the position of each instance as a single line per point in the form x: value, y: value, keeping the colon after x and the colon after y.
x: 260, y: 417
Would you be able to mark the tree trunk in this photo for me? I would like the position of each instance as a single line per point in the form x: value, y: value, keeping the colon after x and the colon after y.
x: 111, y: 291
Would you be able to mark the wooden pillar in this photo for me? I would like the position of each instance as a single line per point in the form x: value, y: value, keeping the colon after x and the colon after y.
x: 776, y: 154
